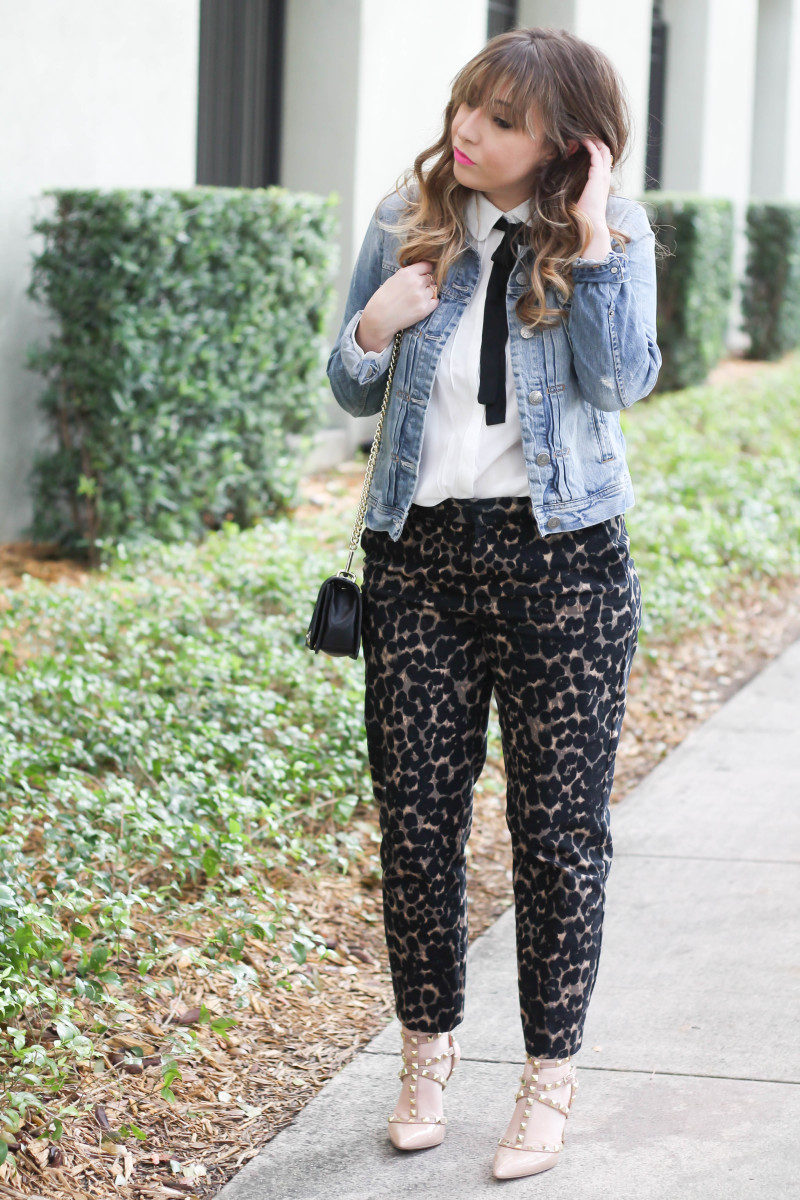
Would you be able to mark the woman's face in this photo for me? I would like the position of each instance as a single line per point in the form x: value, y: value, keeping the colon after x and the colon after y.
x: 503, y: 159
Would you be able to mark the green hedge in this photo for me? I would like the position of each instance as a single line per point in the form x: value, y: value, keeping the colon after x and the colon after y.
x: 771, y: 289
x: 186, y: 366
x: 695, y: 281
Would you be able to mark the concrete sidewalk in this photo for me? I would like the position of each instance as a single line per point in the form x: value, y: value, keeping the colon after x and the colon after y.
x: 690, y: 1062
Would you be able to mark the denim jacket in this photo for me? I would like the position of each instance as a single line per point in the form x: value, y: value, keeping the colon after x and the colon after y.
x: 571, y: 381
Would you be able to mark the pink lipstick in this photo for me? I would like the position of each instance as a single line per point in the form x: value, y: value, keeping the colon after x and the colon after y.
x: 462, y: 158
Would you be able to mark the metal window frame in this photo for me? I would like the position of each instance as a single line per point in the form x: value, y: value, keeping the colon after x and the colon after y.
x: 240, y: 86
x: 501, y: 15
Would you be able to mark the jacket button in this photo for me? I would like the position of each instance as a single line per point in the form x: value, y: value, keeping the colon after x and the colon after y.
x: 526, y: 331
x: 553, y: 522
x: 522, y: 277
x: 543, y: 458
x: 535, y: 397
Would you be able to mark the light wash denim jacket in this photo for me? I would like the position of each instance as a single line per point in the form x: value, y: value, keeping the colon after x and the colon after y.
x: 571, y: 380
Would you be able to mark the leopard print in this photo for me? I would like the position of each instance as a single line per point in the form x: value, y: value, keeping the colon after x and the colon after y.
x: 472, y: 599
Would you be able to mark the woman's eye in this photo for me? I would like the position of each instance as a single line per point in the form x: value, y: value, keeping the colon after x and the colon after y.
x: 503, y: 123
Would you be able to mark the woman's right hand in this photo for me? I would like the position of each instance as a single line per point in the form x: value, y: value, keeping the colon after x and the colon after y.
x: 405, y: 298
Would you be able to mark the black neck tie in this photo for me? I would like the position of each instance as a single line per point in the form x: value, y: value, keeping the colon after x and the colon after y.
x: 492, y: 389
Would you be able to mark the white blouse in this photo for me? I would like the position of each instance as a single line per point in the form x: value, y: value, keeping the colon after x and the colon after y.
x: 461, y: 455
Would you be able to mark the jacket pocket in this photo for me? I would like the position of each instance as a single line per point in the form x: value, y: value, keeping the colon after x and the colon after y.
x: 396, y: 448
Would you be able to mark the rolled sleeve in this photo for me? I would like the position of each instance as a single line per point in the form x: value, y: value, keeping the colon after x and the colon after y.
x: 611, y: 269
x: 362, y: 365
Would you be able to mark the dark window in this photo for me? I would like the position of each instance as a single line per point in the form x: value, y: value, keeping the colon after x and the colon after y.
x: 502, y: 16
x: 655, y: 112
x: 239, y: 93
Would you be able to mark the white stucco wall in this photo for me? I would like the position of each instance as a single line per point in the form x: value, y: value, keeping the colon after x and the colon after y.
x: 94, y: 95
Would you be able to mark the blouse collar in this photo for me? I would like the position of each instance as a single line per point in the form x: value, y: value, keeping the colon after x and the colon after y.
x: 481, y: 215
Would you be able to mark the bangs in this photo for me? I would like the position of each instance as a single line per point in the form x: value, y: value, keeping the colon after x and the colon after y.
x: 488, y: 84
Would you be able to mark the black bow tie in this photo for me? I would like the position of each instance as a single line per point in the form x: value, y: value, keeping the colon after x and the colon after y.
x: 492, y: 389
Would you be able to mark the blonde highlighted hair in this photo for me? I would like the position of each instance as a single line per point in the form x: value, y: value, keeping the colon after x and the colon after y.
x: 575, y: 92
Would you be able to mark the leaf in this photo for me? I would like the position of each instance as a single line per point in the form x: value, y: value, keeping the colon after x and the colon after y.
x: 191, y: 1016
x: 221, y: 1024
x: 101, y: 1117
x: 98, y: 957
x: 211, y: 861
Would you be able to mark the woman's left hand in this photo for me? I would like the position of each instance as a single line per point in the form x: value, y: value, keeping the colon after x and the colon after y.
x: 594, y: 197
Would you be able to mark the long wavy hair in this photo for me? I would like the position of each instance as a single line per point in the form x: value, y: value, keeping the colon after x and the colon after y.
x: 575, y: 91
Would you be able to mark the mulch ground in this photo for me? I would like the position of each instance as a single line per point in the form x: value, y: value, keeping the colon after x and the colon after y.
x: 241, y: 1091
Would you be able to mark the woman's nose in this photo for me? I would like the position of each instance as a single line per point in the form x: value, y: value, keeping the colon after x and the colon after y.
x: 469, y: 125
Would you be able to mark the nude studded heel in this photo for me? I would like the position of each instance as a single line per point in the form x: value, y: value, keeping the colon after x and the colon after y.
x: 509, y: 1161
x: 417, y: 1131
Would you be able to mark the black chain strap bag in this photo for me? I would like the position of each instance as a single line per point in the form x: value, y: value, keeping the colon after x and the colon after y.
x: 335, y: 626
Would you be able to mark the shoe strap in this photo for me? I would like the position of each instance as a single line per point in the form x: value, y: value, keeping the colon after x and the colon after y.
x: 533, y: 1090
x: 412, y: 1059
x: 412, y: 1066
x: 540, y: 1148
x: 535, y: 1084
x: 442, y: 1079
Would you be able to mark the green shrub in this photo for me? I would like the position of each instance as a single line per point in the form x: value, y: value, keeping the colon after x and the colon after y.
x: 694, y: 255
x: 187, y: 360
x: 771, y: 291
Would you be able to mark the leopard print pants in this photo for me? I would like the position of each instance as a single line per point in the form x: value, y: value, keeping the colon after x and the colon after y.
x: 472, y: 599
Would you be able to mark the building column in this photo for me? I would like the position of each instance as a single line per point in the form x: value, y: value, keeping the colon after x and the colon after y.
x: 774, y: 162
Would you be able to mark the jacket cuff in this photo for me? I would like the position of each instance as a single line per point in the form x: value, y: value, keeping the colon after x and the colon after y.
x: 613, y: 268
x: 362, y: 365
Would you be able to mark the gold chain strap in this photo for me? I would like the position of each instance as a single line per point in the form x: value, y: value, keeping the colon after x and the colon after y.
x: 355, y: 537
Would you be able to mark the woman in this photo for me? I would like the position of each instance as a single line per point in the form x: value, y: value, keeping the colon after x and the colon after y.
x: 496, y: 552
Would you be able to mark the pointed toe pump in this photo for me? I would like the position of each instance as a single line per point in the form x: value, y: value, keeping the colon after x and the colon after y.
x: 530, y: 1145
x: 423, y: 1125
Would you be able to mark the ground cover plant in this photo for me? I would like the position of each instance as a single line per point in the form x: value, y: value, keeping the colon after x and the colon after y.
x: 173, y: 760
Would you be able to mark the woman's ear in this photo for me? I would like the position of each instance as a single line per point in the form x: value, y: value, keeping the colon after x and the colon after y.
x: 572, y: 146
